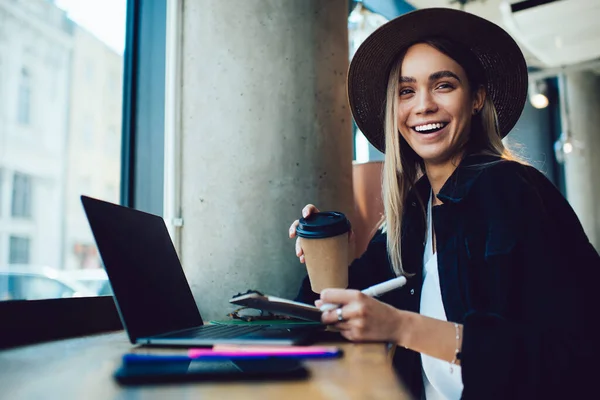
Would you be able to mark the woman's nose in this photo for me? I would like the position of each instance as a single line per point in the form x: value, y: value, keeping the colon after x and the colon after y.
x: 425, y: 103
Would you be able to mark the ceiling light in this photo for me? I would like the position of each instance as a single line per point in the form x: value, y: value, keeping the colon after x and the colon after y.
x: 538, y: 94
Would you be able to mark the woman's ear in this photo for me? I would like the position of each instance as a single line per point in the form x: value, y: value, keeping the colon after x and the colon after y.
x: 478, y: 99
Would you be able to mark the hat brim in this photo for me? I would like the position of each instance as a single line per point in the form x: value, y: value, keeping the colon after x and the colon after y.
x: 500, y: 56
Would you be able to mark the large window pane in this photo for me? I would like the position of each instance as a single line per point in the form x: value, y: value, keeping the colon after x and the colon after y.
x: 61, y: 72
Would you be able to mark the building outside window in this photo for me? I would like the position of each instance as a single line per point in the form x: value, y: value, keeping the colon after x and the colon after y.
x: 57, y: 58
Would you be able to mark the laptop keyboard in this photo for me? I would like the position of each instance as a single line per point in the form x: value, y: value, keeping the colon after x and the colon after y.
x: 217, y: 331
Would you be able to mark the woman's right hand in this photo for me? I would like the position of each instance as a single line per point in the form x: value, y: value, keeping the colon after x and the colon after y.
x: 306, y: 211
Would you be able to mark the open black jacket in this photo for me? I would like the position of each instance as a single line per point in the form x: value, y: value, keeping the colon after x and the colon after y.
x: 515, y: 267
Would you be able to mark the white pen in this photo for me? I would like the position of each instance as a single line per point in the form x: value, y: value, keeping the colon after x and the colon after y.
x: 374, y: 291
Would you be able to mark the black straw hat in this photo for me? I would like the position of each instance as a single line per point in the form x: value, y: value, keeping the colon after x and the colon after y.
x: 502, y: 61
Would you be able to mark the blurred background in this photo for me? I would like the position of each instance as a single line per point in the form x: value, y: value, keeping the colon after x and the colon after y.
x: 252, y: 124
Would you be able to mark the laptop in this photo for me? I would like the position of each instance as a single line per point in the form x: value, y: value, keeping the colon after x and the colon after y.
x: 150, y: 290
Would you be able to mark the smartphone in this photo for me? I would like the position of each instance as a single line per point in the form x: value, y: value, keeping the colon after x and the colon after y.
x: 137, y: 373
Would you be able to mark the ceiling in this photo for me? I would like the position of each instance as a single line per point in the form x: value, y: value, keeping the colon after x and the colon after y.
x: 556, y: 34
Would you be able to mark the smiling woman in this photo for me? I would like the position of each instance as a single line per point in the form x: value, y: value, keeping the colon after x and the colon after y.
x: 483, y: 240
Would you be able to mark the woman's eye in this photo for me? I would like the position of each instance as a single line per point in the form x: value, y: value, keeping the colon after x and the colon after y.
x: 445, y: 86
x: 404, y: 92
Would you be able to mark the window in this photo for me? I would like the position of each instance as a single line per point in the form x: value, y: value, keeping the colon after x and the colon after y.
x: 58, y: 233
x: 21, y: 196
x: 18, y: 250
x: 1, y: 192
x: 89, y: 70
x: 88, y: 132
x: 1, y: 72
x: 61, y: 54
x: 361, y: 23
x: 24, y: 98
x: 111, y: 141
x: 37, y: 285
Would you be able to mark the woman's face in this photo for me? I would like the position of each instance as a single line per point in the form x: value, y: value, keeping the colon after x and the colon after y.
x: 435, y: 104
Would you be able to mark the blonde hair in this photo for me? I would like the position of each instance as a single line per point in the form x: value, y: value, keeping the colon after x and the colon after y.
x: 403, y: 167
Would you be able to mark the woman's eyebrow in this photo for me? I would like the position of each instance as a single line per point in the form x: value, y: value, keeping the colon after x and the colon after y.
x: 443, y: 74
x: 433, y: 77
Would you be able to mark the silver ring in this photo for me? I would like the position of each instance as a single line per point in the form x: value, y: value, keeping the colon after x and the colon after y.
x: 340, y: 317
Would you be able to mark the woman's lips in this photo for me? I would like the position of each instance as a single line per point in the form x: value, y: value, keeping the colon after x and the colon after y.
x: 431, y: 135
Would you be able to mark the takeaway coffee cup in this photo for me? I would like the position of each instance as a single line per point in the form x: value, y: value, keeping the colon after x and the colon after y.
x: 324, y: 240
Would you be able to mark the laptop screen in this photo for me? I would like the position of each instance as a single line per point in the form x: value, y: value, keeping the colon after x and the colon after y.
x: 149, y: 286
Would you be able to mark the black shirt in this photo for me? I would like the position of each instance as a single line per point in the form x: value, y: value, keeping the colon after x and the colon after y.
x: 515, y: 267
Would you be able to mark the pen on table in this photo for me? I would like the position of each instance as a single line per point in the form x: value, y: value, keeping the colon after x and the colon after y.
x: 162, y: 358
x: 134, y: 358
x: 234, y: 353
x: 373, y: 291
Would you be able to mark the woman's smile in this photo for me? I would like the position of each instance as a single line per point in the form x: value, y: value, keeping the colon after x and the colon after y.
x: 428, y: 132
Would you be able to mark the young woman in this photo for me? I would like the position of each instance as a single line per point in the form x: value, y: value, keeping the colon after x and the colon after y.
x: 501, y: 293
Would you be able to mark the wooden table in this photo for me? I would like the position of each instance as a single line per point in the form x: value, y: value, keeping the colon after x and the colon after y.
x: 82, y: 368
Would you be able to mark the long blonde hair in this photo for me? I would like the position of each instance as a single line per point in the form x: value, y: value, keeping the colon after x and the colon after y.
x: 403, y: 167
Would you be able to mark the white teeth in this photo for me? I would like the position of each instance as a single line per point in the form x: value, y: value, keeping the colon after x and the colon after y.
x: 428, y: 127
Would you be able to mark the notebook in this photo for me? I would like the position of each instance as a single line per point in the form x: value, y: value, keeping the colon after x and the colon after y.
x: 150, y: 290
x: 258, y: 300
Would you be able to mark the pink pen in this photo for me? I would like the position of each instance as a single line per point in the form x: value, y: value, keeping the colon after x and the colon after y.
x: 259, y: 351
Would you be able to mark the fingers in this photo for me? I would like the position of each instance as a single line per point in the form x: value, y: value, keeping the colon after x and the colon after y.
x: 318, y: 303
x: 299, y: 251
x: 343, y: 326
x: 292, y: 230
x: 351, y: 328
x: 292, y: 233
x: 306, y: 211
x: 353, y: 312
x: 309, y: 209
x: 340, y: 296
x: 331, y: 318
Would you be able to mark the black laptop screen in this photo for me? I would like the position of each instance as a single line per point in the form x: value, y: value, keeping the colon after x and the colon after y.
x: 150, y: 288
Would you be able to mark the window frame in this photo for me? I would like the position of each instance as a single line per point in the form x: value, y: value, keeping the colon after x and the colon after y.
x: 142, y: 155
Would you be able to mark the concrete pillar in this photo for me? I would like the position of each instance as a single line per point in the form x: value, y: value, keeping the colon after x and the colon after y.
x: 582, y: 166
x: 265, y: 130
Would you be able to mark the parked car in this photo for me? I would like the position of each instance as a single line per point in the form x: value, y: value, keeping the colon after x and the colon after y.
x: 94, y: 279
x: 26, y: 282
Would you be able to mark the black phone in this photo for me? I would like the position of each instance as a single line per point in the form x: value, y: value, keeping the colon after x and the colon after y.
x: 210, y: 370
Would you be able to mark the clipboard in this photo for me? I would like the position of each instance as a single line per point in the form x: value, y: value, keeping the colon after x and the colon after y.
x: 255, y: 299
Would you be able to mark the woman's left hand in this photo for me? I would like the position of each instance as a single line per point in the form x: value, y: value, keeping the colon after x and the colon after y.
x: 364, y: 318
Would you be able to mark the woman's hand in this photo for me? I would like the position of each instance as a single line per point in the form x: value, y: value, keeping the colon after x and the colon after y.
x: 364, y: 318
x: 306, y: 211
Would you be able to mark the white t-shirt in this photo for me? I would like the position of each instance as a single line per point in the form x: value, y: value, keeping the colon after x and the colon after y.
x: 438, y: 381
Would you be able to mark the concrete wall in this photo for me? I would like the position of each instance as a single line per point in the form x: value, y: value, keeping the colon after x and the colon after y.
x: 582, y: 166
x: 266, y: 129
